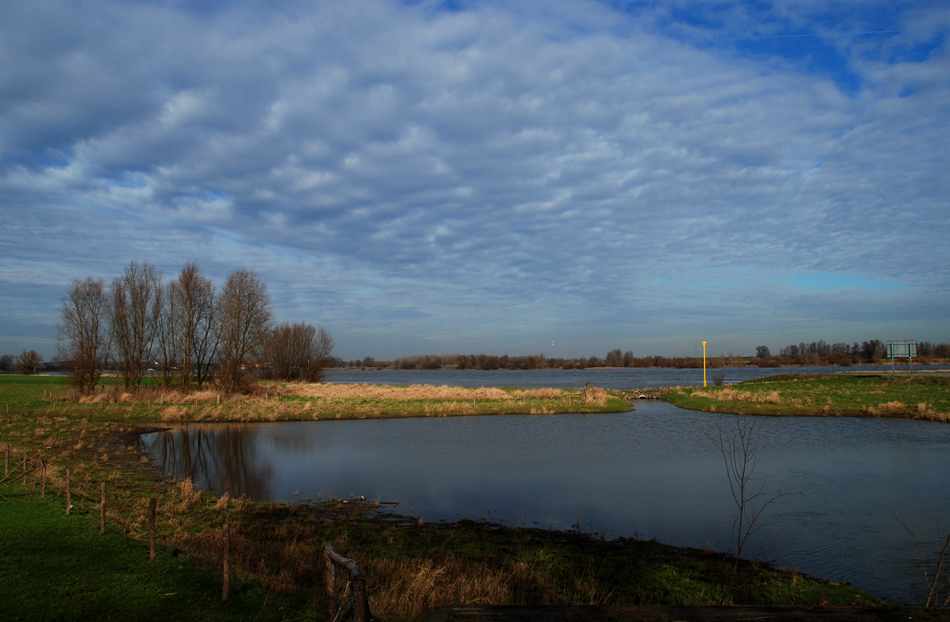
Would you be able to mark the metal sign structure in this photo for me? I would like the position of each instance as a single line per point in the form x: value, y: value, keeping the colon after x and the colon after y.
x: 903, y: 349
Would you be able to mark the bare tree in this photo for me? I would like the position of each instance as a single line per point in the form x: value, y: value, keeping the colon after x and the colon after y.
x: 298, y: 352
x: 6, y: 363
x: 134, y: 318
x: 615, y: 358
x: 83, y: 335
x: 740, y: 454
x: 245, y: 316
x: 933, y: 583
x: 190, y: 328
x: 28, y: 363
x: 166, y: 337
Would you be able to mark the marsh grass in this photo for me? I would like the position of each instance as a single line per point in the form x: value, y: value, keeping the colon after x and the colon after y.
x: 922, y: 396
x: 297, y: 401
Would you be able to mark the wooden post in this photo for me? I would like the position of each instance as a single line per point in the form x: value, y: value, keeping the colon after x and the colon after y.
x: 151, y: 527
x: 329, y: 577
x: 357, y: 585
x: 25, y: 457
x: 360, y: 607
x: 102, y: 507
x: 69, y: 496
x: 43, y: 481
x: 227, y: 563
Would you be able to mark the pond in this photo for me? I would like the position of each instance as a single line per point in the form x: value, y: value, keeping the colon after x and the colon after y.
x: 655, y: 472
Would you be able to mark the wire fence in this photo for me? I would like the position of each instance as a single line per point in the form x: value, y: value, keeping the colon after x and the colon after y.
x: 242, y: 561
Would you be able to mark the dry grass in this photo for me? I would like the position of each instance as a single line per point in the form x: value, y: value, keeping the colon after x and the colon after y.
x: 414, y: 392
x: 158, y: 396
x: 734, y: 395
x: 188, y: 495
x: 403, y: 586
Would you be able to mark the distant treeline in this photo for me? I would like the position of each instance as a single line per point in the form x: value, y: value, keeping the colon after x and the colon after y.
x: 816, y: 354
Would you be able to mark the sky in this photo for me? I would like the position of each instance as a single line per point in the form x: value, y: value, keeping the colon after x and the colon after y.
x: 557, y: 177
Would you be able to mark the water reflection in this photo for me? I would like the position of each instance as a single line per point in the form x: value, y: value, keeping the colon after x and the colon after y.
x: 220, y: 458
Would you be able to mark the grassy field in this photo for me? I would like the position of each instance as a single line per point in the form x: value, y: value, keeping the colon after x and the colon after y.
x: 409, y: 564
x: 919, y: 396
x: 54, y: 567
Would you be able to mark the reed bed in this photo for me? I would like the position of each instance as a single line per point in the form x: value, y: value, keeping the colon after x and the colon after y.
x: 312, y: 401
x: 415, y: 392
x: 729, y: 394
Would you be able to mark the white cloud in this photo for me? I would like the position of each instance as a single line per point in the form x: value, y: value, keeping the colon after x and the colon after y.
x: 404, y: 169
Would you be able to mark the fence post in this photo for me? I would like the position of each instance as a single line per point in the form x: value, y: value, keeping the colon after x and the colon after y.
x: 357, y: 585
x: 329, y: 577
x: 69, y: 495
x: 102, y: 507
x: 151, y: 527
x: 225, y: 588
x: 360, y: 608
x: 43, y: 481
x: 25, y: 458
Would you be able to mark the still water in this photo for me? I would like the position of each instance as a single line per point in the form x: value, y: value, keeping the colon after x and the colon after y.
x: 652, y: 472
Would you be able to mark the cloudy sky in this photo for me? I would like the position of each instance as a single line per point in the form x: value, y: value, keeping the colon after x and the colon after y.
x: 442, y: 177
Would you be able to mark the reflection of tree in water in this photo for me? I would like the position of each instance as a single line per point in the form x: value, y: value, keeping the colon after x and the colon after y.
x: 216, y: 457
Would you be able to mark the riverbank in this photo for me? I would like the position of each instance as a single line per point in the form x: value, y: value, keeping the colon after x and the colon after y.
x: 410, y: 564
x: 272, y: 401
x: 924, y: 396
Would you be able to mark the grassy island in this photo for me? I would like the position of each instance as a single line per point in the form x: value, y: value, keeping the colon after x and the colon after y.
x: 76, y: 573
x: 919, y: 396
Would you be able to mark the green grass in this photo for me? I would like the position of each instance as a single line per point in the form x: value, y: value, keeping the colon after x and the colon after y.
x: 921, y: 396
x: 58, y: 567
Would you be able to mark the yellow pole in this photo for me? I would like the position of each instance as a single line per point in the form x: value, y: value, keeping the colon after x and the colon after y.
x: 704, y: 363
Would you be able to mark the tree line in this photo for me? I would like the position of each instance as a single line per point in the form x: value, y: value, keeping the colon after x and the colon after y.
x: 186, y: 331
x: 614, y: 358
x: 26, y: 363
x: 869, y: 352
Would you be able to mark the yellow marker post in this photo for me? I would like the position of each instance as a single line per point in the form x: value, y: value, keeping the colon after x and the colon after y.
x: 704, y: 363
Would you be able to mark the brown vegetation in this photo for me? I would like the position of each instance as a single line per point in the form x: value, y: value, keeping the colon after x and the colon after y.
x: 417, y: 392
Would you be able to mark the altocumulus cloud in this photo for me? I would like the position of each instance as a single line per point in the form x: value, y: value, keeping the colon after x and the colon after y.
x: 485, y: 177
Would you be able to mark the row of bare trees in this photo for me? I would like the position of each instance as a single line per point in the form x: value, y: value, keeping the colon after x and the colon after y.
x: 26, y: 363
x: 185, y: 330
